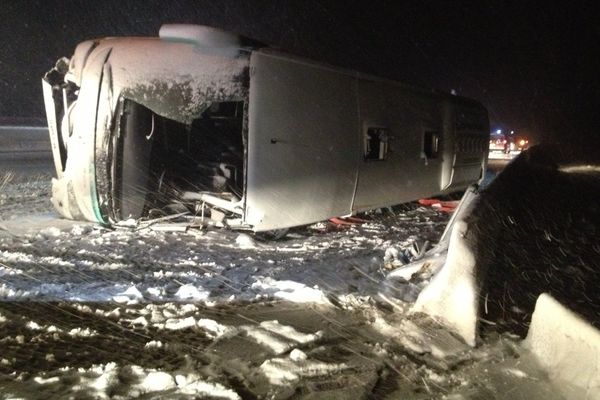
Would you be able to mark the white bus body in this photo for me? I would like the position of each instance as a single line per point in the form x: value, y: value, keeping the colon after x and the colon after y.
x: 246, y: 137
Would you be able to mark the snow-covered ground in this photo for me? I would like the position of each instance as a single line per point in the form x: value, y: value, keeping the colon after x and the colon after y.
x: 88, y: 312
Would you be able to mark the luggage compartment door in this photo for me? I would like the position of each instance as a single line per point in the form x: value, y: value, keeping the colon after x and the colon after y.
x: 303, y: 142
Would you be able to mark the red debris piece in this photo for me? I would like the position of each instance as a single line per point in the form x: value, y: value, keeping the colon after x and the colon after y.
x: 348, y: 221
x: 445, y: 206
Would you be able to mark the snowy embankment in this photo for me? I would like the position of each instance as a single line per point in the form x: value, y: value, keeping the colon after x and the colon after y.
x: 509, y: 251
x: 565, y: 345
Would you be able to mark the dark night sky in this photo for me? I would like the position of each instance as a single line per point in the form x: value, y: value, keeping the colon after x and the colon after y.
x: 534, y: 68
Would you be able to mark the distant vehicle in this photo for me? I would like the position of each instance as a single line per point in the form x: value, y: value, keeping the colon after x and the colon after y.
x: 521, y: 143
x: 499, y: 143
x: 198, y: 121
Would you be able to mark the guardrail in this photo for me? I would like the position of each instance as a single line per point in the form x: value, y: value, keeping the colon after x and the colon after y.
x: 24, y: 142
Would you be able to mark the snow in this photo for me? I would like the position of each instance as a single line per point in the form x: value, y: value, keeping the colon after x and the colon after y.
x: 566, y: 346
x: 101, y: 379
x: 141, y: 320
x: 82, y: 332
x: 583, y: 168
x: 451, y: 297
x: 33, y: 325
x: 245, y: 241
x: 289, y: 332
x: 268, y: 339
x: 215, y: 329
x: 157, y: 381
x: 97, y: 379
x: 290, y: 291
x: 316, y: 321
x: 298, y: 355
x: 131, y: 295
x: 50, y: 232
x: 153, y: 344
x: 42, y: 381
x: 175, y: 324
x: 283, y: 371
x: 191, y: 292
x: 193, y: 385
x: 279, y: 338
x: 516, y: 372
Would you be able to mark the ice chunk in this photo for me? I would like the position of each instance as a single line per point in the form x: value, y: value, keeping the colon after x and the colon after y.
x: 245, y: 241
x: 32, y: 325
x: 158, y: 381
x: 298, y: 355
x: 215, y: 329
x: 289, y: 332
x: 153, y: 344
x: 283, y: 371
x: 44, y: 381
x: 82, y: 332
x: 176, y: 324
x: 50, y: 232
x: 268, y: 339
x: 141, y: 320
x: 191, y: 292
x: 131, y: 295
x: 290, y: 291
x: 193, y: 385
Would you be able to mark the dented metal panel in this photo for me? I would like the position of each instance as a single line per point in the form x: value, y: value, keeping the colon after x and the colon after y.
x: 303, y: 144
x: 178, y: 85
x: 74, y: 194
x: 175, y: 80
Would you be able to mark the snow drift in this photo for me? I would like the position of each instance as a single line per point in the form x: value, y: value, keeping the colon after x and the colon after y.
x: 529, y: 238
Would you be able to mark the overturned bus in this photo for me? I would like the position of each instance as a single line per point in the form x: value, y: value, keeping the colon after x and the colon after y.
x: 203, y: 122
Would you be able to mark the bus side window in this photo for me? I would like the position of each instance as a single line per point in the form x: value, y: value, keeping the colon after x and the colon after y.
x: 431, y: 144
x: 376, y: 144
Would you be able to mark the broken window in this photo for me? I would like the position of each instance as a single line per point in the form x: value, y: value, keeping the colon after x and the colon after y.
x: 431, y: 144
x: 376, y: 144
x: 158, y: 161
